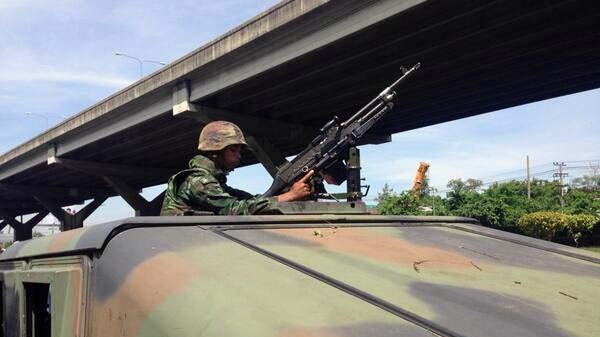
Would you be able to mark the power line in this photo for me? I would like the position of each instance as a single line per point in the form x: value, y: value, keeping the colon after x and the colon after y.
x: 533, y: 168
x: 520, y: 177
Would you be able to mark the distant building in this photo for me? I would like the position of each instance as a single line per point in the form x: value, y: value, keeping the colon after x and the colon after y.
x: 47, y: 228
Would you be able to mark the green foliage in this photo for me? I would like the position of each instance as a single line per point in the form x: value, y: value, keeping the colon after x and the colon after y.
x: 490, y: 212
x: 580, y: 201
x: 545, y: 194
x: 543, y: 225
x: 462, y: 192
x: 386, y: 192
x: 502, y: 205
x: 404, y: 203
x: 552, y: 225
x: 437, y: 204
x: 581, y: 226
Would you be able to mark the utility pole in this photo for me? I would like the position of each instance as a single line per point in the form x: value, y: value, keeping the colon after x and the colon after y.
x: 433, y: 193
x: 528, y: 180
x: 560, y: 175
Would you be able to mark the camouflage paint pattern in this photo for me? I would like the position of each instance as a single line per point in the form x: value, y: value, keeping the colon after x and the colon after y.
x: 210, y: 286
x: 67, y: 278
x: 470, y: 284
x: 223, y: 278
x: 203, y: 187
x: 215, y: 136
x: 12, y: 293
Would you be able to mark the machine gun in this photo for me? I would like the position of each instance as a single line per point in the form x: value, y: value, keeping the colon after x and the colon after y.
x: 334, y: 141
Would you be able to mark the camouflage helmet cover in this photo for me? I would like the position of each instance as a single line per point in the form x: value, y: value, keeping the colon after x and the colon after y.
x: 215, y: 136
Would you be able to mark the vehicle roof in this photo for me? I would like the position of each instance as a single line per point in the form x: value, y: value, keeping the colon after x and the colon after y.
x: 90, y: 238
x: 331, y: 275
x: 94, y: 238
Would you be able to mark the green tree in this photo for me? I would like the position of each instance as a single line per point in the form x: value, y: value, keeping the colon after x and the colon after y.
x: 438, y: 205
x: 386, y: 191
x: 582, y: 201
x: 432, y: 200
x: 488, y: 211
x: 461, y: 192
x: 404, y: 203
x: 473, y: 185
x: 545, y: 195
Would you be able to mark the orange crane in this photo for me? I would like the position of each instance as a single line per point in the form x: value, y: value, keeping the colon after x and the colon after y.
x: 420, y: 177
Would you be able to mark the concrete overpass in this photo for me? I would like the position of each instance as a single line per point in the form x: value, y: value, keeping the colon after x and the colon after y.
x: 285, y: 72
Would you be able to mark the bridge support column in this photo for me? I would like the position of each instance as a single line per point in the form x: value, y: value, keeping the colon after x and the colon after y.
x: 109, y: 172
x: 24, y: 231
x: 266, y: 154
x: 70, y: 221
x: 141, y: 206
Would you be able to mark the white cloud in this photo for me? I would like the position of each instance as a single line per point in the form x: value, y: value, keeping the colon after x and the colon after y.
x: 57, y: 75
x: 21, y: 64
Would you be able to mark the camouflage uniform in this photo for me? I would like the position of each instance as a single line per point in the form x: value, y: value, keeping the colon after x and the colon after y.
x: 203, y: 186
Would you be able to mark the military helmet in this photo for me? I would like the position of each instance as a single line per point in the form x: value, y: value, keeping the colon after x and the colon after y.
x: 215, y: 136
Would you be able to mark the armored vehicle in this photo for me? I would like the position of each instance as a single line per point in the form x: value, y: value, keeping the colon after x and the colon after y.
x: 297, y: 275
x: 308, y: 272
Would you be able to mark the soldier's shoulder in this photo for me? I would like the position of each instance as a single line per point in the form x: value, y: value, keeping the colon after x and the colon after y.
x: 200, y: 176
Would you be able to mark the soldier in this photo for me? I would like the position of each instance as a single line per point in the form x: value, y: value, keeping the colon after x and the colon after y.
x: 203, y: 186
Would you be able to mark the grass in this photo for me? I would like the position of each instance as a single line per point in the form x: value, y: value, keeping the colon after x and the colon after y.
x: 595, y: 249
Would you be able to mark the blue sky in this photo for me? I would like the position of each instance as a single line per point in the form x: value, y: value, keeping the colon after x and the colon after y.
x: 58, y: 57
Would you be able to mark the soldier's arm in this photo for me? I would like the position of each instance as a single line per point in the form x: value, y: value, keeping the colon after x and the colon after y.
x: 206, y: 194
x: 238, y: 193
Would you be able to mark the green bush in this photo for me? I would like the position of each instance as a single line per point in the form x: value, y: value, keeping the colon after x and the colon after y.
x: 553, y: 226
x: 543, y: 225
x: 404, y: 203
x: 488, y: 212
x: 580, y: 227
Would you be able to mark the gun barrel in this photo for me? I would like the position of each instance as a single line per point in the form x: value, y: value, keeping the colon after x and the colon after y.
x: 405, y: 75
x: 381, y: 96
x: 360, y: 112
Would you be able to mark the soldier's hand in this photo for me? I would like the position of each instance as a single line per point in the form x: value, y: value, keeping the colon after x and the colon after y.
x: 299, y: 190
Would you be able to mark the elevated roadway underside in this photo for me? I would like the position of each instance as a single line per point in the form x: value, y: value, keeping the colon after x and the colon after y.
x: 289, y: 70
